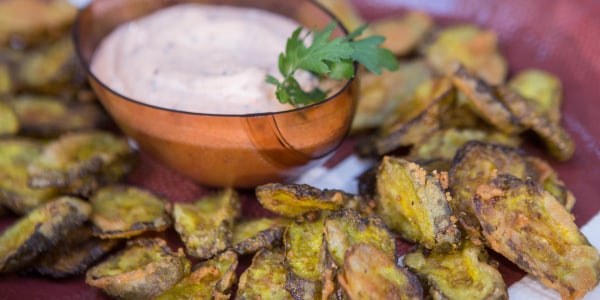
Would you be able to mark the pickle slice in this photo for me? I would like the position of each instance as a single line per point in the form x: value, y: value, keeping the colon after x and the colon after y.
x: 389, y: 94
x: 48, y: 117
x: 82, y: 157
x: 9, y: 123
x: 144, y: 269
x: 345, y: 228
x: 33, y: 21
x: 542, y: 89
x: 125, y: 211
x: 424, y: 94
x: 345, y: 11
x: 369, y: 273
x: 15, y: 155
x: 462, y: 116
x: 475, y: 164
x: 548, y: 178
x: 524, y: 223
x: 293, y: 200
x: 76, y: 253
x: 39, y: 231
x: 415, y: 204
x: 206, y: 226
x: 477, y: 49
x: 462, y: 274
x: 265, y: 278
x: 556, y: 139
x: 251, y: 235
x: 435, y: 98
x: 6, y: 85
x: 443, y: 144
x: 403, y: 33
x: 303, y: 243
x: 484, y: 102
x: 211, y: 279
x: 50, y: 69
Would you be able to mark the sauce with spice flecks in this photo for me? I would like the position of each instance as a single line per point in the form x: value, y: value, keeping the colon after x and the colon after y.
x: 198, y: 58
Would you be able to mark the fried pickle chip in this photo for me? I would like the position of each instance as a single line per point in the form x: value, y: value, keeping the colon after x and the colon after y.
x: 10, y: 58
x: 144, y: 269
x: 15, y: 155
x: 211, y: 279
x: 39, y: 231
x: 542, y: 89
x: 206, y: 226
x: 303, y: 241
x: 415, y: 204
x: 444, y: 143
x: 477, y: 162
x: 82, y: 158
x: 403, y: 33
x: 50, y: 69
x: 474, y: 164
x: 345, y: 11
x: 475, y: 48
x: 462, y: 274
x: 6, y: 81
x: 462, y: 116
x: 125, y: 211
x: 9, y: 61
x: 345, y: 228
x: 556, y: 139
x: 382, y: 96
x: 9, y: 123
x: 524, y: 223
x: 435, y: 98
x: 76, y: 253
x: 548, y: 178
x: 48, y: 117
x: 293, y: 200
x: 424, y: 94
x: 251, y: 235
x: 484, y: 101
x: 369, y: 273
x: 265, y: 278
x: 29, y: 21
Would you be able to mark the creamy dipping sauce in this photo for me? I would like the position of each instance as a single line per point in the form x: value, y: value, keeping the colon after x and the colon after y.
x: 198, y: 58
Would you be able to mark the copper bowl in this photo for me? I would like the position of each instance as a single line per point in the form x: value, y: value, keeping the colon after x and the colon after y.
x: 221, y: 150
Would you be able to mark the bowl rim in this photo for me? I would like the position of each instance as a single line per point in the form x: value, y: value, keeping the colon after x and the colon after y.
x: 87, y: 68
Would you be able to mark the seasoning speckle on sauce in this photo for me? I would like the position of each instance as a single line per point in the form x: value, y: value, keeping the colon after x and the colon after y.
x: 198, y: 58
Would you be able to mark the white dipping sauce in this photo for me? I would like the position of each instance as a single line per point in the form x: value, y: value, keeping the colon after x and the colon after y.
x: 198, y: 58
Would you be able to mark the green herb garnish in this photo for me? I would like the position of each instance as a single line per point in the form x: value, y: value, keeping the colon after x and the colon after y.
x: 325, y: 56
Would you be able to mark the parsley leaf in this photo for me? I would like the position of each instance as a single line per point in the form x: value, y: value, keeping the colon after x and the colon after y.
x: 368, y: 54
x: 326, y: 57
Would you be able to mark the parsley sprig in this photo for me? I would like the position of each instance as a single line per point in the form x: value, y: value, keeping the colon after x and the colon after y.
x: 327, y: 57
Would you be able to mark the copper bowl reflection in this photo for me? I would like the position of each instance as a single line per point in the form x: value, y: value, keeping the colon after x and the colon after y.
x: 221, y: 150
